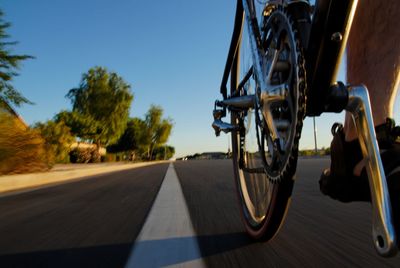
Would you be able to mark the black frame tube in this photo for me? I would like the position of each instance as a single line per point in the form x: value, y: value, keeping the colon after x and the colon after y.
x: 244, y: 81
x: 234, y: 47
x: 324, y: 53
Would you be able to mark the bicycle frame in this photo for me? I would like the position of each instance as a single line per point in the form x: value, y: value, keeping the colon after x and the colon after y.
x: 324, y: 48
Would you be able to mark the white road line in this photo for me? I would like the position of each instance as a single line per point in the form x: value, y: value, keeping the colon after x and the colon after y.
x: 167, y: 237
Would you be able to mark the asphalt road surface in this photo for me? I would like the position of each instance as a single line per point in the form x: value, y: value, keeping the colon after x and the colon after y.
x: 318, y: 232
x: 89, y: 223
x: 95, y: 222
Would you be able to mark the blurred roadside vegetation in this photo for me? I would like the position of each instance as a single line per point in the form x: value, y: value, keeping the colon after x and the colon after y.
x: 321, y: 152
x: 99, y: 119
x: 145, y: 139
x: 58, y: 139
x: 25, y: 149
x: 22, y: 149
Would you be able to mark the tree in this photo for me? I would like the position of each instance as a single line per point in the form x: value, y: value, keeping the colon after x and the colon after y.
x: 9, y: 64
x: 163, y: 152
x: 157, y: 129
x: 100, y: 106
x: 58, y: 139
x: 146, y: 137
x: 79, y: 125
x: 133, y: 138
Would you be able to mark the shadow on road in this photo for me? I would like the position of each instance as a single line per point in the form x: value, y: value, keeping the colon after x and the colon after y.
x: 96, y: 256
x: 178, y: 250
x: 117, y: 255
x: 216, y: 244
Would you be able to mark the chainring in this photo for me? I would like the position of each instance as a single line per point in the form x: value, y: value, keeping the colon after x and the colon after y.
x: 280, y: 157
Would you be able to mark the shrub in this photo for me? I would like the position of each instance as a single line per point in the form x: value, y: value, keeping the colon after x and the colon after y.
x: 117, y: 157
x: 95, y: 156
x: 22, y: 150
x: 84, y: 155
x: 110, y: 157
x: 80, y: 155
x: 58, y: 139
x: 163, y: 152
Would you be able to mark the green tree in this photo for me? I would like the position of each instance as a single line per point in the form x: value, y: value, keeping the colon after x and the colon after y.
x: 78, y: 124
x: 100, y: 106
x: 157, y: 129
x: 146, y: 137
x: 164, y: 152
x: 58, y: 139
x: 9, y: 65
x: 133, y: 138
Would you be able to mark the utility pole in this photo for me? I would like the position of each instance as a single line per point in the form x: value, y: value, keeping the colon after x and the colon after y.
x: 315, y: 136
x: 229, y: 148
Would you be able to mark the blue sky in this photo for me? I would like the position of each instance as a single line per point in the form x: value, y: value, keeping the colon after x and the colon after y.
x: 171, y: 52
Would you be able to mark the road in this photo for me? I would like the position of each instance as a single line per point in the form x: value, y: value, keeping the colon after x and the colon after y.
x: 89, y: 223
x: 318, y: 232
x: 95, y: 222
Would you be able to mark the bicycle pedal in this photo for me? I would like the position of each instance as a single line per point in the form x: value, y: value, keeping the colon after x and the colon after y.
x: 219, y: 126
x: 218, y: 114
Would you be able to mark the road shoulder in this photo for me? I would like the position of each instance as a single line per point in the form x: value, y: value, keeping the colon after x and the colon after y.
x: 15, y: 184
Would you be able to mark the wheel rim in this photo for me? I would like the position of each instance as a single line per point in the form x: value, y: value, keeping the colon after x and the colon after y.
x: 256, y: 189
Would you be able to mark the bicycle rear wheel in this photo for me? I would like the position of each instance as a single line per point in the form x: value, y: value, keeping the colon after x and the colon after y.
x: 264, y: 168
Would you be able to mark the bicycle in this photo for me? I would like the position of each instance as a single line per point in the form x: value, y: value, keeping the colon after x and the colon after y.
x: 296, y: 50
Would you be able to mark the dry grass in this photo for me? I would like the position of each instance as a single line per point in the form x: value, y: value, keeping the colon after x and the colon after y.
x: 22, y: 150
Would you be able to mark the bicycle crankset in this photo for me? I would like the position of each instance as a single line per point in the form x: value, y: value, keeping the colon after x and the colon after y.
x: 279, y: 122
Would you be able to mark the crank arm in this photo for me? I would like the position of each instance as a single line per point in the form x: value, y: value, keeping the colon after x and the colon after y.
x: 383, y: 232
